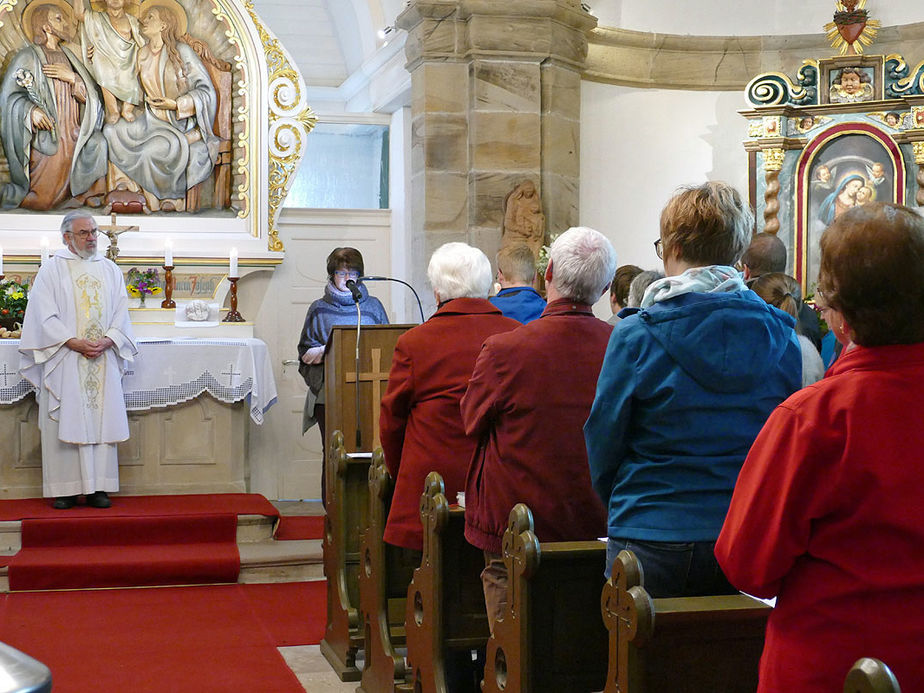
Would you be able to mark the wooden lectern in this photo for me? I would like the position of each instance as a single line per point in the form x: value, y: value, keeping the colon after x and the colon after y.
x: 376, y: 346
x: 347, y: 494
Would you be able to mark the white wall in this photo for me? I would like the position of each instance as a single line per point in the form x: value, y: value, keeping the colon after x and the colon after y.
x: 738, y: 17
x: 638, y: 146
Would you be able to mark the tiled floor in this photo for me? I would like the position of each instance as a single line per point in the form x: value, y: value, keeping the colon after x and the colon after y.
x: 313, y: 671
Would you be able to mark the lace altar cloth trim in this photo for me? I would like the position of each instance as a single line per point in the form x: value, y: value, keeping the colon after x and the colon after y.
x: 171, y: 371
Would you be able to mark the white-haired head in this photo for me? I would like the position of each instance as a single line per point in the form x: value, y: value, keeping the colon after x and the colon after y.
x: 457, y: 270
x: 583, y: 263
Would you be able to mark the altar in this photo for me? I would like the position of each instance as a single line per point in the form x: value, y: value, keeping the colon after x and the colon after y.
x: 181, y: 441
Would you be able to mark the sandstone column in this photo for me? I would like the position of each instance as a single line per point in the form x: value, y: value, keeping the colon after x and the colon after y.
x: 495, y: 101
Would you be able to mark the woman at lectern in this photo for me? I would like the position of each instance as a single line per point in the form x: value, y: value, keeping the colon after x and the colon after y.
x: 336, y: 307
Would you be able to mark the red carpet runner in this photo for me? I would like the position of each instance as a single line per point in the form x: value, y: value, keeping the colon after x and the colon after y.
x: 141, y: 540
x: 126, y: 551
x: 217, y: 638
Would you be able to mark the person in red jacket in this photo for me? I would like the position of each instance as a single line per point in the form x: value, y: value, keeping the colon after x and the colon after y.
x: 420, y: 422
x: 828, y: 511
x: 527, y: 402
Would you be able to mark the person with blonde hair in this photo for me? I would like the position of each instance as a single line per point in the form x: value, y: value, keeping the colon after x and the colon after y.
x: 516, y: 271
x: 684, y: 389
x: 783, y: 292
x: 828, y: 511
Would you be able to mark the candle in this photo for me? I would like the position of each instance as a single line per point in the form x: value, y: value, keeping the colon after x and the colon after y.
x: 44, y: 249
x: 168, y: 253
x: 233, y: 272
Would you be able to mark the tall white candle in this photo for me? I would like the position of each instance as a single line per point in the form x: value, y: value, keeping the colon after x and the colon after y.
x: 44, y: 249
x: 233, y: 272
x: 1, y: 259
x: 168, y: 253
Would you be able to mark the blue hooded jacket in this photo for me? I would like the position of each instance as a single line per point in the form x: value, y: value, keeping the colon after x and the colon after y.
x: 685, y: 387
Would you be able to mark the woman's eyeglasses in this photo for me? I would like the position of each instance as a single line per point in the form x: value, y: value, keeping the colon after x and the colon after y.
x: 659, y: 249
x: 349, y: 274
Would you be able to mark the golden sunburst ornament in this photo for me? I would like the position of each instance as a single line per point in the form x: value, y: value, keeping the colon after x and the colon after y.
x: 852, y: 28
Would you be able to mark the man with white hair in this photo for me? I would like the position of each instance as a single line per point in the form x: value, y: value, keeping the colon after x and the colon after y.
x: 527, y: 401
x: 76, y: 340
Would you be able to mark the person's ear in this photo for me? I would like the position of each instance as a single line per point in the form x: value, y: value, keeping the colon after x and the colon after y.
x: 548, y: 273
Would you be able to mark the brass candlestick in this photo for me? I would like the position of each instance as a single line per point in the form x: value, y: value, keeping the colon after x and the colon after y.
x: 233, y: 315
x: 168, y: 301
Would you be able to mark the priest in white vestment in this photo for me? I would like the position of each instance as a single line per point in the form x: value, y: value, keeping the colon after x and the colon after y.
x: 76, y: 341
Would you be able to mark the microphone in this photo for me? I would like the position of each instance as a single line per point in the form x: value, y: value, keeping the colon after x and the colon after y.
x: 354, y: 289
x: 400, y: 281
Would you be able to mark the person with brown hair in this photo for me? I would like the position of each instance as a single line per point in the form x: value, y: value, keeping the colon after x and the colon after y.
x: 783, y: 292
x: 828, y: 511
x: 619, y: 289
x: 336, y: 307
x: 685, y: 386
x: 516, y: 271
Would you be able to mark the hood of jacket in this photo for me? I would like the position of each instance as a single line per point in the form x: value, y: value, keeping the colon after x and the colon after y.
x: 726, y: 342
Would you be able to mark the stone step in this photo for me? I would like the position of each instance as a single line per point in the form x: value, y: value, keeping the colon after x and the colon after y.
x: 263, y: 559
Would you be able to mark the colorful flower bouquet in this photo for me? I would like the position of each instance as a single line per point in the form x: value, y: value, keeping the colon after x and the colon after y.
x: 13, y: 299
x: 143, y: 283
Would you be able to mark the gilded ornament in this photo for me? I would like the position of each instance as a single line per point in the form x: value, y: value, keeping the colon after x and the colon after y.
x: 773, y: 159
x: 918, y: 148
x: 290, y: 120
x: 852, y: 28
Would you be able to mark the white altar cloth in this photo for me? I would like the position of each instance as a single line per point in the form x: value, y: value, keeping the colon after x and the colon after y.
x: 171, y: 371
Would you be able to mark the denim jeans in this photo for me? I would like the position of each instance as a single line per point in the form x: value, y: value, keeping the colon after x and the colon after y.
x: 674, y: 569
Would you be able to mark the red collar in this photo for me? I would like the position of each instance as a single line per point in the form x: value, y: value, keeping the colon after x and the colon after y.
x: 565, y: 306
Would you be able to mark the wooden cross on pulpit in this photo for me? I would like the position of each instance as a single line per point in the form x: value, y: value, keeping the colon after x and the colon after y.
x: 376, y: 377
x: 112, y: 233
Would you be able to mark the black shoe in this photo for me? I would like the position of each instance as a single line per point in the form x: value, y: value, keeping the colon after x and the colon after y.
x: 100, y: 499
x: 64, y: 502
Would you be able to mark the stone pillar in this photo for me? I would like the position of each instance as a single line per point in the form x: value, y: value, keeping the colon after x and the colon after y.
x: 496, y: 100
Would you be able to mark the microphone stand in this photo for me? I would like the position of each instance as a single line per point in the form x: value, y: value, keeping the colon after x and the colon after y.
x: 400, y: 281
x: 359, y: 428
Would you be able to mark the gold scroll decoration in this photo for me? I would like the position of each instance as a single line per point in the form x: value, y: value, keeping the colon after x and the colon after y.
x: 290, y: 121
x: 773, y: 163
x: 918, y: 148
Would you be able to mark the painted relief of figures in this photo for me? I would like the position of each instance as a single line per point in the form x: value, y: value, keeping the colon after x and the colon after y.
x: 114, y: 104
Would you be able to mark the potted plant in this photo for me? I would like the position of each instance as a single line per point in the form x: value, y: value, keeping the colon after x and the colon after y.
x: 13, y: 299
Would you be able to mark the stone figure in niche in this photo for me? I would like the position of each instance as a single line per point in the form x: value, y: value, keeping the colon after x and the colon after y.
x: 56, y: 153
x: 169, y: 147
x: 109, y: 42
x: 851, y: 85
x: 524, y: 221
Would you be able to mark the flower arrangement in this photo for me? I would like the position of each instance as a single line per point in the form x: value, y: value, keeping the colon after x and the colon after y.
x: 142, y: 283
x: 542, y: 262
x: 13, y: 299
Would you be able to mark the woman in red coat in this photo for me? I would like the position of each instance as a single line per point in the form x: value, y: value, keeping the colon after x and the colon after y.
x: 421, y: 423
x: 828, y: 511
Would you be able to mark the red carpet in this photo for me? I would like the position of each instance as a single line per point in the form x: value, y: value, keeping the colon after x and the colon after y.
x: 80, y: 552
x: 191, y: 504
x: 293, y: 527
x: 214, y: 639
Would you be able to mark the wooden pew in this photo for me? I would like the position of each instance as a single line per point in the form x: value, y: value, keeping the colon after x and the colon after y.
x: 445, y: 601
x: 551, y: 637
x: 689, y: 644
x: 383, y: 582
x: 869, y: 675
x: 347, y: 515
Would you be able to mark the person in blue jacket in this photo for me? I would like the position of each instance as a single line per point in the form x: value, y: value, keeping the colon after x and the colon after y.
x: 516, y: 271
x: 685, y: 387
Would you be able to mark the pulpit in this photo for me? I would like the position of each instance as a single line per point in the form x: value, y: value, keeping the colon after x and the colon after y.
x: 357, y: 418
